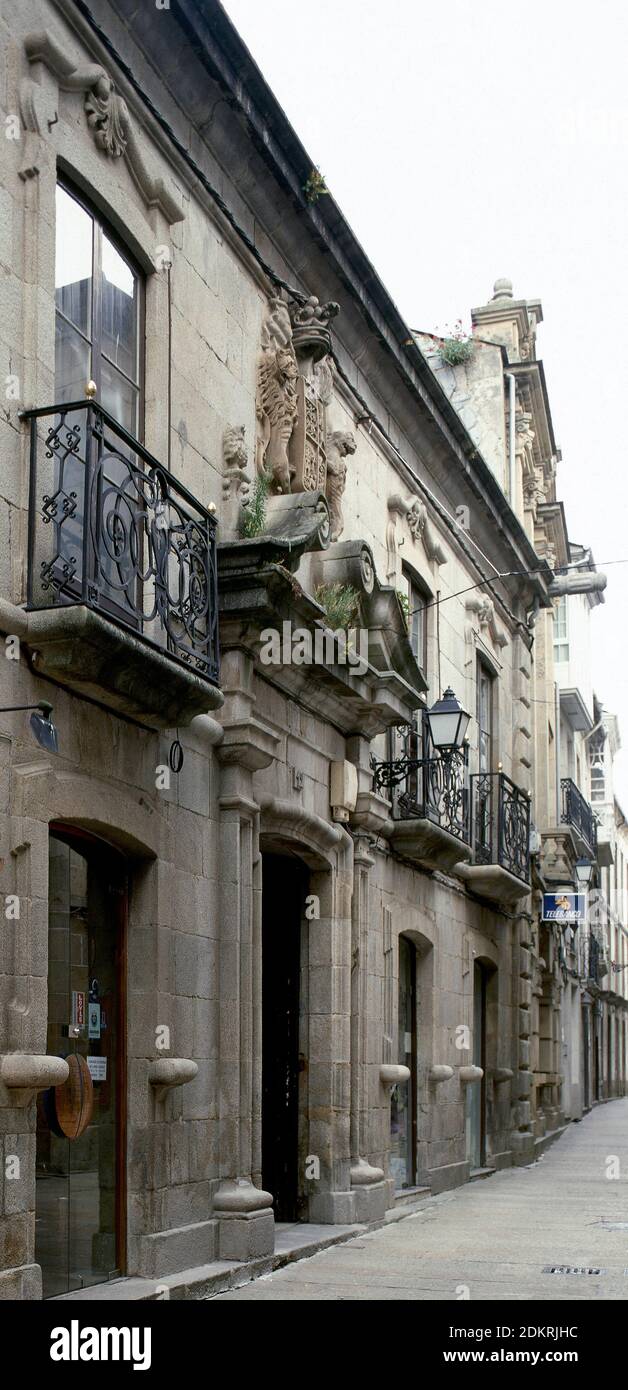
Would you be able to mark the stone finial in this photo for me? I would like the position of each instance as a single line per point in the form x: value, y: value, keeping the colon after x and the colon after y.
x: 502, y: 289
x: 340, y: 443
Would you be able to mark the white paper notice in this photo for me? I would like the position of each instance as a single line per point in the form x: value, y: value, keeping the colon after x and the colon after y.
x: 97, y: 1068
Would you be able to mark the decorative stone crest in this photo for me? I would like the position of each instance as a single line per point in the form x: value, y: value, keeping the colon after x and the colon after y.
x: 294, y: 390
x: 340, y: 444
x: 311, y: 338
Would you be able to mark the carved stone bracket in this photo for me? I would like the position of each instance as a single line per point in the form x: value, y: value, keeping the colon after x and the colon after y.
x: 414, y: 513
x: 107, y: 117
x: 481, y: 607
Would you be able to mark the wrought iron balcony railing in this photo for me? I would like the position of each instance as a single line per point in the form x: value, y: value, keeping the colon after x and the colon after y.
x: 598, y: 967
x: 500, y: 823
x: 433, y: 789
x: 576, y: 811
x: 111, y: 528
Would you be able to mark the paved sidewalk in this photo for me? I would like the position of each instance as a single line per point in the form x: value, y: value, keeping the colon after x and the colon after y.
x: 494, y: 1237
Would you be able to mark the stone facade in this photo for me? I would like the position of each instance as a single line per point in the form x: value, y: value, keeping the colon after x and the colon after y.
x: 284, y: 394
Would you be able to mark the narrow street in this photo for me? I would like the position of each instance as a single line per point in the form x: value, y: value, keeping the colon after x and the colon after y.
x: 494, y: 1237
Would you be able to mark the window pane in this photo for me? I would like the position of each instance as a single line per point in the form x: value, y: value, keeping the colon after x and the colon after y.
x: 119, y: 398
x: 73, y: 260
x: 72, y: 363
x: 119, y: 310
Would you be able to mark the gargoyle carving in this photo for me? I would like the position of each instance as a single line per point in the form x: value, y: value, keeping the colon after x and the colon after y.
x: 340, y: 443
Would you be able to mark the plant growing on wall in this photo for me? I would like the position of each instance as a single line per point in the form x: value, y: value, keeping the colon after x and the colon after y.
x: 405, y: 605
x: 457, y: 345
x: 341, y: 603
x: 254, y: 514
x: 315, y: 186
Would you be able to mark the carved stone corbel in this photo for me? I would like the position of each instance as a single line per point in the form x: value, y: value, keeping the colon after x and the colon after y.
x: 481, y: 607
x: 107, y: 117
x: 414, y: 513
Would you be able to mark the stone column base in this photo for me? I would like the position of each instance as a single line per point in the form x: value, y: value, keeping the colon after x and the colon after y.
x: 371, y: 1192
x: 249, y: 1236
x: 246, y: 1224
x: 370, y: 1202
x: 522, y: 1149
x: 333, y: 1208
x: 21, y: 1283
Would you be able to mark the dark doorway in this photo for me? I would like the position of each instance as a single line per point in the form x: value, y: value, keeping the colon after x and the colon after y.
x: 284, y: 888
x: 476, y: 1093
x: 80, y: 1199
x: 403, y: 1127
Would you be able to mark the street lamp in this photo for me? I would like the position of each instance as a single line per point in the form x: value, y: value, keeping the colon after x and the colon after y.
x: 41, y: 723
x: 584, y: 871
x: 447, y: 722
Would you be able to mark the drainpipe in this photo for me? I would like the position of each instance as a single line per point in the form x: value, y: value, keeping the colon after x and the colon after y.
x: 511, y: 437
x: 557, y: 747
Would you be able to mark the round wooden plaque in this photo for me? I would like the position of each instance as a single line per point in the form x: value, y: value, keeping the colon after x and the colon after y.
x: 74, y: 1100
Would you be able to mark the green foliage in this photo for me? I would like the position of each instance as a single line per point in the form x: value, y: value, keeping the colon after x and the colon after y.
x: 254, y: 518
x: 405, y: 604
x: 315, y: 186
x: 454, y: 351
x: 457, y: 345
x: 341, y: 603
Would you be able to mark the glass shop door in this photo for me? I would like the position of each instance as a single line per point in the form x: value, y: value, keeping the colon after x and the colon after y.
x: 79, y: 1228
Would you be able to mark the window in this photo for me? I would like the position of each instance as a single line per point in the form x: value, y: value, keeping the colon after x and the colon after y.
x: 561, y: 642
x: 418, y: 600
x: 598, y: 787
x: 485, y: 717
x: 98, y: 295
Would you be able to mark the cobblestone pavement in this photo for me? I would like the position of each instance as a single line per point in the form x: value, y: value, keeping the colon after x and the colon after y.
x: 496, y: 1237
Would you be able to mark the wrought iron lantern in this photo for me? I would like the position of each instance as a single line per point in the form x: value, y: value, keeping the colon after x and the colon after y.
x: 448, y: 723
x: 584, y: 871
x: 41, y: 723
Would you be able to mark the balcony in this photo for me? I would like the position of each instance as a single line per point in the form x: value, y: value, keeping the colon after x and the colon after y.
x: 500, y: 839
x: 578, y: 814
x: 122, y: 593
x: 597, y: 966
x: 430, y: 807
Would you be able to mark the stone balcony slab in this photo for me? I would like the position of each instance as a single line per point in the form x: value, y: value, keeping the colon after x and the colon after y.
x: 85, y: 652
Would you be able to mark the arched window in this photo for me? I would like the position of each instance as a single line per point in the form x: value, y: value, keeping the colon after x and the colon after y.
x: 98, y: 298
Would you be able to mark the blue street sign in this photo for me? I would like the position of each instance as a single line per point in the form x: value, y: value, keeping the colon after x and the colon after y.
x: 567, y: 908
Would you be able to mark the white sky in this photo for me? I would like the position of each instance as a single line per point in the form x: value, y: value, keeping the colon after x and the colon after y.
x: 473, y: 139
